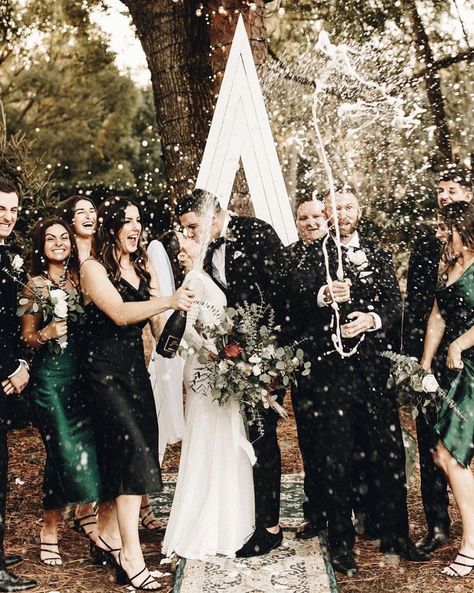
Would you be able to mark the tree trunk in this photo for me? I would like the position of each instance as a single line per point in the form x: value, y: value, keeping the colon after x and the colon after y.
x: 186, y: 45
x: 432, y: 81
x: 176, y: 45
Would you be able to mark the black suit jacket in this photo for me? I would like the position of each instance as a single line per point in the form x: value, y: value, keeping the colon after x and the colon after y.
x: 378, y: 293
x: 421, y: 286
x: 9, y: 322
x: 253, y: 263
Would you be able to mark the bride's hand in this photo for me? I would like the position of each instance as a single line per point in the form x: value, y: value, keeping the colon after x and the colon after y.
x: 54, y: 329
x: 183, y: 298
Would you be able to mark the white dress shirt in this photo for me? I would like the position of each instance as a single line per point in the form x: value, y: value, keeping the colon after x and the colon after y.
x: 218, y: 257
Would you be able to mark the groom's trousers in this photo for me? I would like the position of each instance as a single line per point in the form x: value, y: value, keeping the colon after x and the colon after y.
x: 3, y: 474
x: 267, y: 470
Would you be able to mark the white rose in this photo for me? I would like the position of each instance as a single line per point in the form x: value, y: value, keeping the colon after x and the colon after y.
x: 17, y: 263
x: 429, y: 383
x: 59, y: 297
x: 254, y: 359
x: 257, y: 370
x: 60, y: 310
x: 223, y: 366
x: 357, y: 257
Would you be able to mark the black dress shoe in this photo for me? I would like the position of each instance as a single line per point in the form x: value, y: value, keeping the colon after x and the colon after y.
x: 433, y: 540
x: 13, y: 559
x: 343, y: 561
x: 9, y: 582
x: 405, y: 548
x: 307, y: 531
x: 261, y: 542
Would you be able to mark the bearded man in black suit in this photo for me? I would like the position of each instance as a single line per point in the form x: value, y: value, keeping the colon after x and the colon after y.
x: 346, y: 392
x: 245, y: 259
x: 454, y: 185
x: 13, y: 371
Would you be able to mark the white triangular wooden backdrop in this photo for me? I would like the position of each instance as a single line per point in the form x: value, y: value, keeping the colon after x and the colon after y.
x: 240, y: 130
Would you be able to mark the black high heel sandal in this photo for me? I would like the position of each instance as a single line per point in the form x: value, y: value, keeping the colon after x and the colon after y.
x: 81, y: 524
x: 124, y: 579
x: 146, y: 524
x: 101, y: 557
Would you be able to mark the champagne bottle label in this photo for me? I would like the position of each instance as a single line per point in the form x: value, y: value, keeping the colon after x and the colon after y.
x: 171, y: 344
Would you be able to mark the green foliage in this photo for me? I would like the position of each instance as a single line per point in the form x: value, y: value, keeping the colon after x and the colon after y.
x: 393, y: 169
x: 61, y: 88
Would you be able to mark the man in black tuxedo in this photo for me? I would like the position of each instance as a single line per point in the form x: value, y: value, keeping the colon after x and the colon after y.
x: 13, y: 371
x: 245, y: 260
x: 454, y: 185
x: 347, y: 395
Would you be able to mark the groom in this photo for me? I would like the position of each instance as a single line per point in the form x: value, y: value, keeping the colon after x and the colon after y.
x: 13, y: 371
x: 245, y: 259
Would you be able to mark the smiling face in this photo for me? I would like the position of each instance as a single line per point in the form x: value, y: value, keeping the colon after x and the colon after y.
x: 85, y: 219
x: 311, y: 221
x: 9, y: 206
x: 57, y: 244
x: 348, y: 213
x: 450, y: 191
x: 130, y: 232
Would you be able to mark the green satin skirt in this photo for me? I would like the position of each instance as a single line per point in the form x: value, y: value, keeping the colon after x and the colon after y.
x: 71, y: 474
x: 456, y: 433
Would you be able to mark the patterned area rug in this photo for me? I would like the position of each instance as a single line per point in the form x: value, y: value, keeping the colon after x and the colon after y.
x: 295, y: 567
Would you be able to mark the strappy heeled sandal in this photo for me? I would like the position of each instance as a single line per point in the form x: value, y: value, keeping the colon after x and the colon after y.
x: 82, y: 524
x: 124, y: 579
x: 455, y: 573
x: 101, y: 557
x: 151, y: 519
x: 53, y: 555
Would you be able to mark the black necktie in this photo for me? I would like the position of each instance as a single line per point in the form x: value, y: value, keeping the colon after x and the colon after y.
x: 208, y: 260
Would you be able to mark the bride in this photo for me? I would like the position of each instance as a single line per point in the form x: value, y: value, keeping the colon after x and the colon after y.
x: 213, y: 508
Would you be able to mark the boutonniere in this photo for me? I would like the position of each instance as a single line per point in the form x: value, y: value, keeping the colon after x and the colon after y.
x: 358, y: 261
x: 237, y: 254
x: 357, y: 257
x: 230, y: 237
x: 17, y: 263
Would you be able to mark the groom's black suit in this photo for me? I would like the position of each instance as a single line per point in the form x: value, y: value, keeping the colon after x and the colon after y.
x: 344, y: 397
x: 9, y: 362
x: 253, y: 270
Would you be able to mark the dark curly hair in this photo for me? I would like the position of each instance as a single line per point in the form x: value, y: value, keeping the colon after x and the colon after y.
x: 39, y: 263
x: 106, y: 246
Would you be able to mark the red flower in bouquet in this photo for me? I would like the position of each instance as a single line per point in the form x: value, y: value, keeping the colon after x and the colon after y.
x: 233, y: 350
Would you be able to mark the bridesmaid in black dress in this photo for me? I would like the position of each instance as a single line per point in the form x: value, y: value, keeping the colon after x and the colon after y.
x: 121, y: 295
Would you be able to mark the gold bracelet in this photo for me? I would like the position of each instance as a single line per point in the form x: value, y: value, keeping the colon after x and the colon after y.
x: 456, y: 342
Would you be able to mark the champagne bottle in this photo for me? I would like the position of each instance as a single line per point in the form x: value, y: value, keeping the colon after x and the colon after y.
x: 171, y: 335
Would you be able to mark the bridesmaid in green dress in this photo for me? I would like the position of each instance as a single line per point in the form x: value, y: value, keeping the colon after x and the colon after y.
x: 452, y: 320
x: 71, y: 473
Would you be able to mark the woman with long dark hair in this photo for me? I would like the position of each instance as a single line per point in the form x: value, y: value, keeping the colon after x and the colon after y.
x: 121, y: 295
x: 81, y: 214
x: 71, y: 473
x: 451, y: 323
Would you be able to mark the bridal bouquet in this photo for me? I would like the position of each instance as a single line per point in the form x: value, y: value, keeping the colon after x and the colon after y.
x: 241, y: 359
x: 54, y: 303
x: 416, y: 387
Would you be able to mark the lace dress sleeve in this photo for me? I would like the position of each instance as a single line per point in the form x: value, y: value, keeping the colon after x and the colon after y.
x: 191, y: 336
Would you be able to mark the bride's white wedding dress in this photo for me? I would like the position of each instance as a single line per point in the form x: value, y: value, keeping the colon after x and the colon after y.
x: 213, y: 508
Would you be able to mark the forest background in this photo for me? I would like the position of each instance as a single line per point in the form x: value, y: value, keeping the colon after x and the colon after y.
x: 73, y: 122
